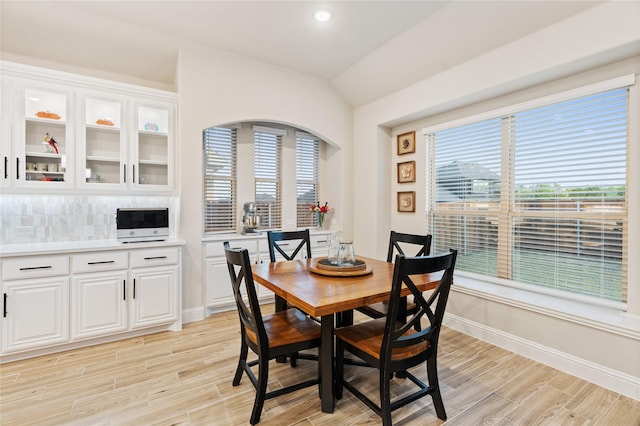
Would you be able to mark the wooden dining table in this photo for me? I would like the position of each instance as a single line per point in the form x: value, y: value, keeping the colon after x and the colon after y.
x: 322, y: 296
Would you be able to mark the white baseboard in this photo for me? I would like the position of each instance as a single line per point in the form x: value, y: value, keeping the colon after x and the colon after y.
x: 193, y: 314
x: 602, y: 376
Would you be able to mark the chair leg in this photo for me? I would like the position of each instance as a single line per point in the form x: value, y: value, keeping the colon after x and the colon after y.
x: 432, y: 374
x: 293, y: 359
x: 261, y: 390
x: 385, y: 396
x: 339, y: 368
x: 242, y: 361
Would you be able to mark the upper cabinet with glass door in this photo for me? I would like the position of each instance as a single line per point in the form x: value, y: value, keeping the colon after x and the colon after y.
x: 103, y: 148
x: 153, y: 150
x: 71, y: 132
x: 43, y: 137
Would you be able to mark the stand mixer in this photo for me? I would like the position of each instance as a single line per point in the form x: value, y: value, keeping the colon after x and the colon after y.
x: 250, y: 219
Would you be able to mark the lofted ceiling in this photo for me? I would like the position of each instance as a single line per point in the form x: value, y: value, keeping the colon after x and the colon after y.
x: 369, y: 49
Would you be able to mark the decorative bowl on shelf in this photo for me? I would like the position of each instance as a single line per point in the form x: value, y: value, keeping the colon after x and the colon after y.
x: 48, y: 114
x: 151, y: 127
x: 104, y: 122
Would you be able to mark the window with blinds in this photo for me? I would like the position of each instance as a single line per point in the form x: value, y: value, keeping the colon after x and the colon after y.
x: 307, y: 177
x: 219, y: 155
x: 537, y: 196
x: 267, y: 172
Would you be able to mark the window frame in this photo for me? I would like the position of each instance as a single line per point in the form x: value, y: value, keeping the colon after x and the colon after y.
x: 210, y: 180
x: 505, y: 207
x: 304, y: 218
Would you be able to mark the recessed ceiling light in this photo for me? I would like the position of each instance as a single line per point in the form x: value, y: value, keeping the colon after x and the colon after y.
x: 322, y: 15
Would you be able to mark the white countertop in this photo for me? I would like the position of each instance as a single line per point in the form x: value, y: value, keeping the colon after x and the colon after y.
x: 8, y: 250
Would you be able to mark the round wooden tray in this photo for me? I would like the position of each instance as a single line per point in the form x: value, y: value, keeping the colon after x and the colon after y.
x: 323, y: 263
x: 340, y: 271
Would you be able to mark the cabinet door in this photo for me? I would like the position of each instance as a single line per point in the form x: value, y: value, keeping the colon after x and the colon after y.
x: 98, y: 304
x: 218, y: 287
x: 152, y: 165
x: 42, y: 135
x: 5, y: 135
x: 153, y: 296
x: 36, y: 313
x: 102, y: 143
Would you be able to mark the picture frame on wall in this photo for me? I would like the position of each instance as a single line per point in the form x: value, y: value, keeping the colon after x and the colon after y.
x: 407, y: 172
x: 407, y: 201
x: 406, y: 143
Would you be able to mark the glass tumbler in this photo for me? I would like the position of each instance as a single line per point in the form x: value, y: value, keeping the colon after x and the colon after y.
x: 334, y: 247
x: 346, y: 254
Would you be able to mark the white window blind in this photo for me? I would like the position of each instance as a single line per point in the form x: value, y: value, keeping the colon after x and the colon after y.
x: 219, y: 155
x: 538, y: 197
x: 307, y: 177
x: 267, y: 172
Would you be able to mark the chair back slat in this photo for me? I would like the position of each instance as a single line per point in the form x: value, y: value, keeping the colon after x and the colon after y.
x: 403, y: 334
x: 241, y: 276
x: 274, y: 237
x: 396, y: 238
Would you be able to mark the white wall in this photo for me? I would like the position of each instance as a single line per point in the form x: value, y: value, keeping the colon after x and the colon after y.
x: 217, y: 88
x: 599, y: 36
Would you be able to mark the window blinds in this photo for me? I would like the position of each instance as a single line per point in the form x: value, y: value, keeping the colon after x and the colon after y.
x: 219, y: 156
x: 267, y: 172
x: 307, y: 177
x: 537, y: 196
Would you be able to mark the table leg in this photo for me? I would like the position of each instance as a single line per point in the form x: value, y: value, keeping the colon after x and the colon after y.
x: 326, y: 364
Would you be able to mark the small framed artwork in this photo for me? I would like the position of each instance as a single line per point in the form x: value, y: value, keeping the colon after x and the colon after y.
x: 407, y: 201
x: 407, y: 172
x: 406, y: 143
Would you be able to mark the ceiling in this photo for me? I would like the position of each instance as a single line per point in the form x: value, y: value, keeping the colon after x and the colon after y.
x: 369, y: 48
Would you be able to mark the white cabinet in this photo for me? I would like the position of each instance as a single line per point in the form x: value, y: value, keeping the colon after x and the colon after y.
x: 218, y: 291
x: 108, y: 136
x: 154, y: 293
x: 126, y: 144
x: 60, y: 301
x: 98, y: 294
x: 42, y: 135
x: 35, y: 302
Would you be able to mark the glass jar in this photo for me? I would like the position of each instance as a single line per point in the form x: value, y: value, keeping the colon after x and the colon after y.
x: 346, y: 254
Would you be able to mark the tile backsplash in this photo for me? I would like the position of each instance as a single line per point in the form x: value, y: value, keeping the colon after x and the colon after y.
x: 57, y: 218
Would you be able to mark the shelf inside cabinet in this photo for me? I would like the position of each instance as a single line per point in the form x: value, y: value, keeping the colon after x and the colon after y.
x: 47, y: 121
x: 103, y: 159
x: 43, y: 155
x: 102, y: 128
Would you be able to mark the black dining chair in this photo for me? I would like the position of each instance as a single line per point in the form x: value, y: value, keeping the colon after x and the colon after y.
x: 394, y: 346
x: 398, y: 242
x: 289, y: 245
x: 270, y: 336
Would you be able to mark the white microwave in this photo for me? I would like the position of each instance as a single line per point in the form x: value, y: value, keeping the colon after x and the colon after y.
x: 142, y: 225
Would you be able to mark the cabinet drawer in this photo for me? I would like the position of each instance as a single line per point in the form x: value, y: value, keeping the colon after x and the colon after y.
x: 97, y: 262
x: 34, y: 267
x: 217, y: 248
x: 154, y: 257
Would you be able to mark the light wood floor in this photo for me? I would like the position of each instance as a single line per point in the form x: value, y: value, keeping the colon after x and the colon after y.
x: 185, y: 378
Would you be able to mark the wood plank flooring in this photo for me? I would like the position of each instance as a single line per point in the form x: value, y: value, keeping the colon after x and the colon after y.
x: 184, y: 378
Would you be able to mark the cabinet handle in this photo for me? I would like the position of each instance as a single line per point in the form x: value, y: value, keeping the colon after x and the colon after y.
x: 134, y: 288
x: 6, y: 167
x: 124, y: 289
x: 4, y: 308
x: 101, y: 262
x: 155, y: 257
x: 17, y: 168
x: 124, y: 169
x: 30, y: 268
x: 133, y: 178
